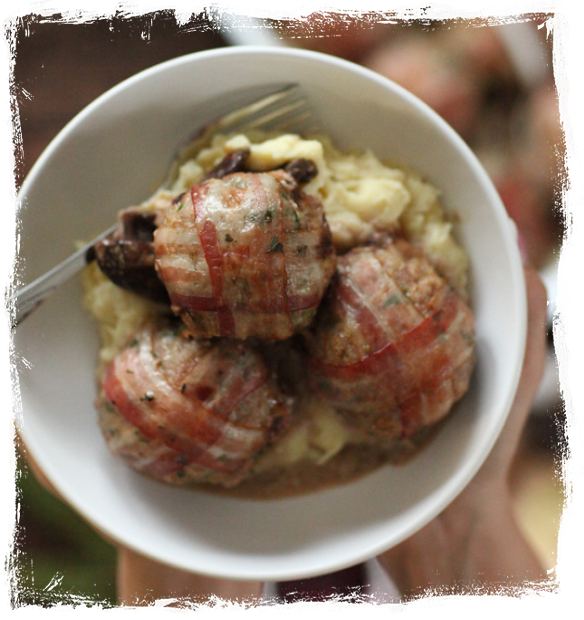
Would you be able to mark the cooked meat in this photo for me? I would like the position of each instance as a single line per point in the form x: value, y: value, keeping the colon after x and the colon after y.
x: 127, y: 256
x: 393, y: 346
x: 235, y: 161
x: 183, y: 410
x: 249, y: 255
x: 301, y: 170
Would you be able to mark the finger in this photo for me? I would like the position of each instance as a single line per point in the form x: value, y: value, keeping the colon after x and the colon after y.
x: 141, y: 581
x: 533, y: 365
x: 32, y: 465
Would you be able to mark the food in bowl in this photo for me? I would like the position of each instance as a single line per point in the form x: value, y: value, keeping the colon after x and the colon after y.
x: 338, y: 274
x: 177, y: 407
x: 248, y: 255
x: 393, y: 347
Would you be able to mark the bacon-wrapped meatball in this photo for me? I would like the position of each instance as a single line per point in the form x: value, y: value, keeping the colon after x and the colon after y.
x: 393, y: 348
x: 249, y: 255
x: 182, y: 410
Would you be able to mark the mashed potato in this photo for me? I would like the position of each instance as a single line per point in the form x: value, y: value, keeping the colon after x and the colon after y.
x: 361, y: 197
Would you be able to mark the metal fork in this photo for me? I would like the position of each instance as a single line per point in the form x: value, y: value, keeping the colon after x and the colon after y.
x: 286, y: 109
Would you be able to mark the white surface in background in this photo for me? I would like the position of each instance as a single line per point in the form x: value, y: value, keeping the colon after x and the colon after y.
x: 241, y: 25
x: 524, y: 48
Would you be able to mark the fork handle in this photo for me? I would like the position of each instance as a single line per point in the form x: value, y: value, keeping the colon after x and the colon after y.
x: 29, y: 297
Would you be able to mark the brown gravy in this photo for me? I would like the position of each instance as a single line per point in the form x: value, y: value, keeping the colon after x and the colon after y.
x: 353, y: 462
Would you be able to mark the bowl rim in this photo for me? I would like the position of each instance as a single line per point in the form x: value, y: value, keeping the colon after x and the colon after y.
x: 456, y: 483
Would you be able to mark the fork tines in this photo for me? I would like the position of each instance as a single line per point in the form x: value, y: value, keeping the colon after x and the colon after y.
x: 286, y: 110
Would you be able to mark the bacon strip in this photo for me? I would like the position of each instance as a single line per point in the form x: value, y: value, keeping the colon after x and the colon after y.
x: 214, y: 258
x: 381, y: 355
x: 389, y: 357
x: 245, y: 257
x: 198, y: 422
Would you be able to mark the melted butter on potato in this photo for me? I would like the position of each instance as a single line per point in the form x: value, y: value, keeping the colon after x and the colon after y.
x: 425, y: 222
x: 119, y: 313
x: 317, y: 438
x: 189, y: 174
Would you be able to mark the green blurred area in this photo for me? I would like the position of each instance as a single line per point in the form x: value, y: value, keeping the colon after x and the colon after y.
x: 57, y: 557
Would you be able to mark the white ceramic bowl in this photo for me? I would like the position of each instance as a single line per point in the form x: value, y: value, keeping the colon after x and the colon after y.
x: 112, y: 155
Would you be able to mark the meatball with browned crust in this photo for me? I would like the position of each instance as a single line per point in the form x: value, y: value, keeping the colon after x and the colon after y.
x: 248, y: 255
x: 182, y: 410
x: 393, y: 346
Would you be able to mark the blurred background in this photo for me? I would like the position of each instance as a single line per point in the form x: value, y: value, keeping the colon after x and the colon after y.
x: 493, y: 83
